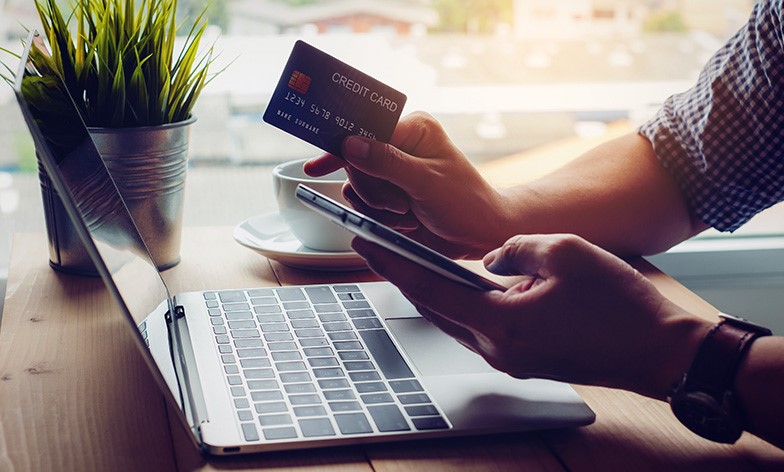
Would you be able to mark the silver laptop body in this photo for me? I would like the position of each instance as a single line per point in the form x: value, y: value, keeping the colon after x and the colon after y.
x: 265, y: 369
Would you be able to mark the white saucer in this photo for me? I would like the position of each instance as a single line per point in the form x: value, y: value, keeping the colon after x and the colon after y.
x: 268, y: 235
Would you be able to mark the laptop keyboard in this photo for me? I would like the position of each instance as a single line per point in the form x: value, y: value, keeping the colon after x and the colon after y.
x: 314, y: 362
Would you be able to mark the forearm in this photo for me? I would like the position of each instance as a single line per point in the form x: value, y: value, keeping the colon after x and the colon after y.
x: 760, y: 388
x: 617, y: 196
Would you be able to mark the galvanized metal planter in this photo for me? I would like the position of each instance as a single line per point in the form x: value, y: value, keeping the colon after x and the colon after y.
x: 149, y: 166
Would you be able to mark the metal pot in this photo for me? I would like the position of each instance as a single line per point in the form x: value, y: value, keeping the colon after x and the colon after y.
x: 149, y: 167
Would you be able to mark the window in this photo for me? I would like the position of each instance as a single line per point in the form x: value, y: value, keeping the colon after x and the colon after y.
x: 505, y: 77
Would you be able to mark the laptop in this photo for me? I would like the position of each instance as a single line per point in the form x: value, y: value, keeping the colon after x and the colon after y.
x: 263, y: 369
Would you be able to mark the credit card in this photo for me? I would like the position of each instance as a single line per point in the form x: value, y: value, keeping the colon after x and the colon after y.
x: 322, y: 100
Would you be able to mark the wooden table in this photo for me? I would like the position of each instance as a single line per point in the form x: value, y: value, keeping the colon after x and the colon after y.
x: 74, y: 394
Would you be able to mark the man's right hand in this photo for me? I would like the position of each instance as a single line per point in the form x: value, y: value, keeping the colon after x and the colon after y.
x: 422, y: 185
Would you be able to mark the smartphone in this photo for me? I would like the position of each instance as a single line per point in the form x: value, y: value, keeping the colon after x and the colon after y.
x: 373, y: 231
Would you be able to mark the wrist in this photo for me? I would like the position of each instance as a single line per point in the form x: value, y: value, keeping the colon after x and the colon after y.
x: 706, y: 399
x: 677, y: 347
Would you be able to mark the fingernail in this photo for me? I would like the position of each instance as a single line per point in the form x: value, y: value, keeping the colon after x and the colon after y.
x: 355, y: 147
x: 490, y: 260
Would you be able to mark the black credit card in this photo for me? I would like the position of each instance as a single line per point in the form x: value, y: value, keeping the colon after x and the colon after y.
x: 322, y: 100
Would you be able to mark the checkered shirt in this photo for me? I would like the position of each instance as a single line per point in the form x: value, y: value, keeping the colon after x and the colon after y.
x: 723, y: 139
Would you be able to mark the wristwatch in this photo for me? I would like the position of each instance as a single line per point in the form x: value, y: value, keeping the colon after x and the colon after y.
x: 703, y: 400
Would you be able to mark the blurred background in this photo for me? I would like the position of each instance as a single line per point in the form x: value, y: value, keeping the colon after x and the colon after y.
x: 537, y: 80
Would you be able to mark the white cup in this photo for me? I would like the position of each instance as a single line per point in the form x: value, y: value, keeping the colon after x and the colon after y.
x: 312, y: 229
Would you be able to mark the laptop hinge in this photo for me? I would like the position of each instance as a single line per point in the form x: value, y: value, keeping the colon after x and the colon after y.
x: 188, y: 377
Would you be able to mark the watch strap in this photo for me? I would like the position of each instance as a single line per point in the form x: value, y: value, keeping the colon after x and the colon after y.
x: 716, y: 364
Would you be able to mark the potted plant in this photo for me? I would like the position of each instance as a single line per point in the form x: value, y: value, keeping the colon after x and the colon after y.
x: 135, y: 89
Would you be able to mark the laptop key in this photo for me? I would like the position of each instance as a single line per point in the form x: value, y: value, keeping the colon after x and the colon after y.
x: 373, y: 398
x: 252, y: 352
x: 424, y: 424
x: 339, y: 395
x: 406, y: 386
x: 364, y: 376
x: 320, y: 295
x: 254, y: 363
x: 328, y: 308
x: 290, y: 366
x: 356, y: 305
x: 316, y: 427
x: 370, y: 387
x: 359, y: 365
x: 295, y: 377
x: 386, y: 354
x: 239, y: 315
x: 323, y: 362
x: 290, y: 294
x: 263, y: 301
x: 313, y: 342
x: 305, y: 411
x: 274, y: 407
x: 411, y: 398
x: 300, y: 388
x: 328, y: 372
x: 295, y: 305
x: 348, y: 345
x: 388, y: 418
x: 245, y: 333
x: 275, y: 420
x: 346, y: 288
x: 421, y: 410
x: 249, y: 432
x: 333, y: 383
x: 353, y: 423
x: 282, y: 346
x: 299, y: 324
x: 236, y: 307
x: 241, y: 324
x: 367, y: 323
x: 268, y: 384
x: 344, y: 406
x: 281, y: 336
x: 243, y: 343
x: 286, y: 356
x: 318, y: 352
x: 305, y: 399
x: 353, y: 355
x: 300, y: 314
x: 229, y: 296
x: 279, y: 433
x: 259, y: 373
x: 245, y: 415
x: 261, y: 292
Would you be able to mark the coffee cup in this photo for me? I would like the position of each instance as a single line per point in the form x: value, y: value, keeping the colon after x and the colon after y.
x: 313, y: 230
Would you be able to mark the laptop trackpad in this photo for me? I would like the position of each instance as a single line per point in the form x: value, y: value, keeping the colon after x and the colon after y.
x: 434, y: 352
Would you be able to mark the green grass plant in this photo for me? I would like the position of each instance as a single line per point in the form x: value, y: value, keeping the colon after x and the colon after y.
x: 119, y: 60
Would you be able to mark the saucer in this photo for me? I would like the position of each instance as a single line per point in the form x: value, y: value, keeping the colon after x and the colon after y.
x: 268, y: 235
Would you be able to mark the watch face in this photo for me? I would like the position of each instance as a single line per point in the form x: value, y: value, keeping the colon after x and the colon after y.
x: 702, y: 414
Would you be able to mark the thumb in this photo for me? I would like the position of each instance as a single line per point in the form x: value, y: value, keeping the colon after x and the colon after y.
x: 520, y: 255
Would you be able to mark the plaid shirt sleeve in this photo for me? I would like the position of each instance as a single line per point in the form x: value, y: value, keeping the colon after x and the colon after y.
x: 723, y: 139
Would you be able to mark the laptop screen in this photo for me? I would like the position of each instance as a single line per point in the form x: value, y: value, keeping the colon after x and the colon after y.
x: 81, y: 179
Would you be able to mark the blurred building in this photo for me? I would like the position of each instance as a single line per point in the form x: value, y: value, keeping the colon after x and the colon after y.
x: 718, y: 18
x: 564, y: 19
x: 350, y: 16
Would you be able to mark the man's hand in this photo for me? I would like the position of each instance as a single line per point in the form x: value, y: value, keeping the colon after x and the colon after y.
x: 421, y: 184
x: 582, y: 315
